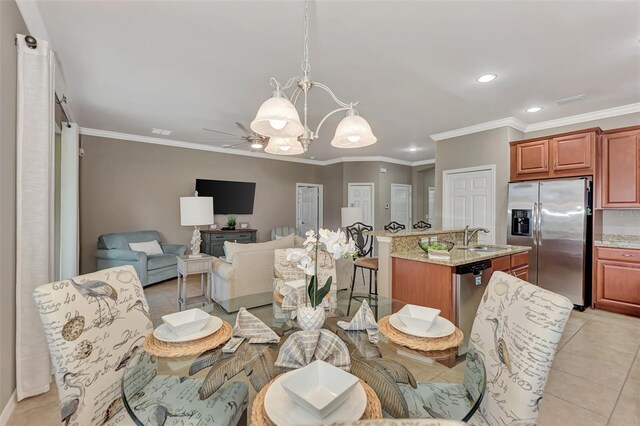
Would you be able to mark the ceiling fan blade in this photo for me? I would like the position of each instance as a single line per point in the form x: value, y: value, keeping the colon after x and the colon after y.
x: 242, y: 126
x: 222, y: 133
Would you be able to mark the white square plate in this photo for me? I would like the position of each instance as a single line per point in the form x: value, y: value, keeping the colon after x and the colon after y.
x: 186, y: 322
x: 320, y: 387
x: 418, y: 317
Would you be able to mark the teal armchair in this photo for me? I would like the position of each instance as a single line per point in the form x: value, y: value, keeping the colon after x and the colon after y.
x: 113, y: 250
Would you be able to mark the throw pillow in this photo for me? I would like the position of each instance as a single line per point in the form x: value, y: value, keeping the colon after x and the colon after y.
x: 279, y: 237
x: 149, y: 247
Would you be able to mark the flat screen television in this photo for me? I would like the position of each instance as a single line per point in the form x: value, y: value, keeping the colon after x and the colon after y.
x: 228, y: 197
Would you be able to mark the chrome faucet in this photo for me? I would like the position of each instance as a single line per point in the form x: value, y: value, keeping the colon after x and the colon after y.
x: 469, y: 235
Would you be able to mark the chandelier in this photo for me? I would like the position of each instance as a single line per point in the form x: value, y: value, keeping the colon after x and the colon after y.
x: 279, y: 120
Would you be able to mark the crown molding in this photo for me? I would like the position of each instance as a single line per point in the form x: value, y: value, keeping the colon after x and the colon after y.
x: 581, y: 118
x: 202, y: 147
x: 489, y: 125
x: 543, y: 125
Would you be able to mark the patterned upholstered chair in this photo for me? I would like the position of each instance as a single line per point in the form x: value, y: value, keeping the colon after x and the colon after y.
x: 516, y: 333
x: 95, y: 325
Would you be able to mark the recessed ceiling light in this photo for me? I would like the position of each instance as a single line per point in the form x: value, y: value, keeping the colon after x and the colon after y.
x: 533, y: 109
x: 256, y: 145
x: 312, y: 158
x: 486, y: 78
x: 413, y: 149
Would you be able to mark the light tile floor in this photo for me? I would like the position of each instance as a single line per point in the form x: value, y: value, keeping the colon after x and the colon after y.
x: 595, y: 379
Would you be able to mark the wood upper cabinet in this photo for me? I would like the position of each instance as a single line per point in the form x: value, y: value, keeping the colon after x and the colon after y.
x: 532, y: 157
x: 619, y: 176
x: 618, y: 281
x: 565, y: 155
x: 572, y: 151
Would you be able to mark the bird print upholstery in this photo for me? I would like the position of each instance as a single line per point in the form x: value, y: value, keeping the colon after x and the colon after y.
x: 516, y: 333
x: 95, y: 325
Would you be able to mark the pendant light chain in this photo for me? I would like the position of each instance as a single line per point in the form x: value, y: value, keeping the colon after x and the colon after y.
x: 306, y: 67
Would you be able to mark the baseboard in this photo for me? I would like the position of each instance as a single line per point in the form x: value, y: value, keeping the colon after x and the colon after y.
x: 8, y: 409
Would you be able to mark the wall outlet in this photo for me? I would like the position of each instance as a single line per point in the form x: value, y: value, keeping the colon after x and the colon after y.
x: 386, y: 206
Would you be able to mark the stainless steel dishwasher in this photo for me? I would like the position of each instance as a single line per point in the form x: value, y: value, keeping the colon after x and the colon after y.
x: 470, y: 283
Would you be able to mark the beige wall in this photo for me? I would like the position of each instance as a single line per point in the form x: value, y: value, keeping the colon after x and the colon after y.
x: 369, y: 171
x: 10, y: 23
x: 126, y: 186
x: 331, y: 178
x: 422, y: 177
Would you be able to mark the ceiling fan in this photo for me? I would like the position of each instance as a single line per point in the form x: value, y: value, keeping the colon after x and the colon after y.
x: 255, y: 140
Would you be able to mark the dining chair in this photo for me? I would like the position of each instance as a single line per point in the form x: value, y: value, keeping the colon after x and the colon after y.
x: 421, y: 225
x: 95, y: 325
x: 363, y: 242
x: 515, y: 334
x: 394, y: 227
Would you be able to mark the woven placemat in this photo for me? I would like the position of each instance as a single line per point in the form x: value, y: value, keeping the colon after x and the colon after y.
x: 423, y: 344
x: 157, y: 347
x: 259, y: 415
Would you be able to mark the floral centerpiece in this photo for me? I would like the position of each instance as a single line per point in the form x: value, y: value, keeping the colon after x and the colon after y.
x: 311, y: 315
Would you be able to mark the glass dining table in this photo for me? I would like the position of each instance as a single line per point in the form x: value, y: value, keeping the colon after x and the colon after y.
x: 455, y: 384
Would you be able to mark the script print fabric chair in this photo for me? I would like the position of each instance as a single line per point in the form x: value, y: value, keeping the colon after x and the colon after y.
x: 95, y: 325
x: 516, y: 333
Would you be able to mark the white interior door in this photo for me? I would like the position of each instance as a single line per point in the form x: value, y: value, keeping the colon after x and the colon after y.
x: 401, y: 204
x: 308, y: 207
x: 361, y: 195
x: 431, y: 204
x: 469, y: 199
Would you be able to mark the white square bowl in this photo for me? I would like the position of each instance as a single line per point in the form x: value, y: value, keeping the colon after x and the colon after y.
x: 418, y: 317
x: 320, y: 387
x: 186, y: 322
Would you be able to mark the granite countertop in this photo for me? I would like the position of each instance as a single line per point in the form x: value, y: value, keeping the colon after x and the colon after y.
x: 460, y: 256
x: 617, y: 241
x: 416, y: 233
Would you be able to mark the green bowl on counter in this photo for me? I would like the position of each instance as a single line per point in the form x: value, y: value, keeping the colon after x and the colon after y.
x: 436, y: 245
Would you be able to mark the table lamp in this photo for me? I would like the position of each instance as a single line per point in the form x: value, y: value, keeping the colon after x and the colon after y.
x: 351, y: 215
x: 196, y: 211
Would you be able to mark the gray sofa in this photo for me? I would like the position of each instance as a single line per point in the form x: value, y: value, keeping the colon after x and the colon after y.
x: 113, y: 250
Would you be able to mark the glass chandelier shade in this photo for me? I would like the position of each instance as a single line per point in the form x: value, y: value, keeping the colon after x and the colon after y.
x: 353, y: 132
x: 284, y: 146
x: 277, y: 117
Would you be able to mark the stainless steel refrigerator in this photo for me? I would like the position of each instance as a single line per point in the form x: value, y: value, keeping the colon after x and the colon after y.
x: 553, y: 217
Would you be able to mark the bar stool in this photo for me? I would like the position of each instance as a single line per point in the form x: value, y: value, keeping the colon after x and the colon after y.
x: 394, y: 227
x: 364, y: 249
x: 421, y: 226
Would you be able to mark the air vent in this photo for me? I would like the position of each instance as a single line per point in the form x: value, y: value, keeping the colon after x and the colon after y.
x: 571, y: 99
x: 161, y: 132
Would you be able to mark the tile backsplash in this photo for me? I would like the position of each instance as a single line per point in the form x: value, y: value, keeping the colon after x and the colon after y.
x: 621, y: 221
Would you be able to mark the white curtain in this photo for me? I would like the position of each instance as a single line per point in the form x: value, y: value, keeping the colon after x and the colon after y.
x: 34, y: 213
x: 69, y: 199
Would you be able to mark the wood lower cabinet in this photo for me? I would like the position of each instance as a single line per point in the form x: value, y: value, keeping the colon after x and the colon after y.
x: 564, y: 155
x: 617, y: 280
x: 516, y: 265
x: 619, y: 179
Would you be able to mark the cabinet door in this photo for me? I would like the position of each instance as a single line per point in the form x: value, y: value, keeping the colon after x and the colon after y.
x: 618, y: 286
x: 620, y: 177
x: 572, y: 152
x: 532, y: 157
x: 521, y: 272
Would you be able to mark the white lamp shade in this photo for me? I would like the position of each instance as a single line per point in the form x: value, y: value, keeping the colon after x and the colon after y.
x: 351, y: 215
x: 353, y: 132
x: 196, y: 211
x: 277, y: 117
x: 284, y: 146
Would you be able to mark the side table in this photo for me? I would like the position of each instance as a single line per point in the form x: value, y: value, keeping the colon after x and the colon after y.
x: 191, y: 266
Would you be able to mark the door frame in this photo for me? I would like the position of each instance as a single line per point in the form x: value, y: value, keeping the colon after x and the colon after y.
x: 446, y: 176
x: 373, y: 198
x: 410, y: 210
x: 320, y: 203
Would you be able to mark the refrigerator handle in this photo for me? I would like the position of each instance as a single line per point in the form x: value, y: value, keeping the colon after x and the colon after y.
x: 535, y: 224
x: 540, y: 224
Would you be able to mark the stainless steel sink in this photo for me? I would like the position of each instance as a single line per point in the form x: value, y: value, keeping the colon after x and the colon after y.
x: 483, y: 249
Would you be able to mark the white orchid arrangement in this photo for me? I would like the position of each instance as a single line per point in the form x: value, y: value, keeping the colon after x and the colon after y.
x: 335, y: 243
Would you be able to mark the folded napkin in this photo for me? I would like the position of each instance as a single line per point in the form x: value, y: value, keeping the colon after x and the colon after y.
x: 250, y: 327
x: 295, y: 298
x: 304, y: 347
x: 363, y: 320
